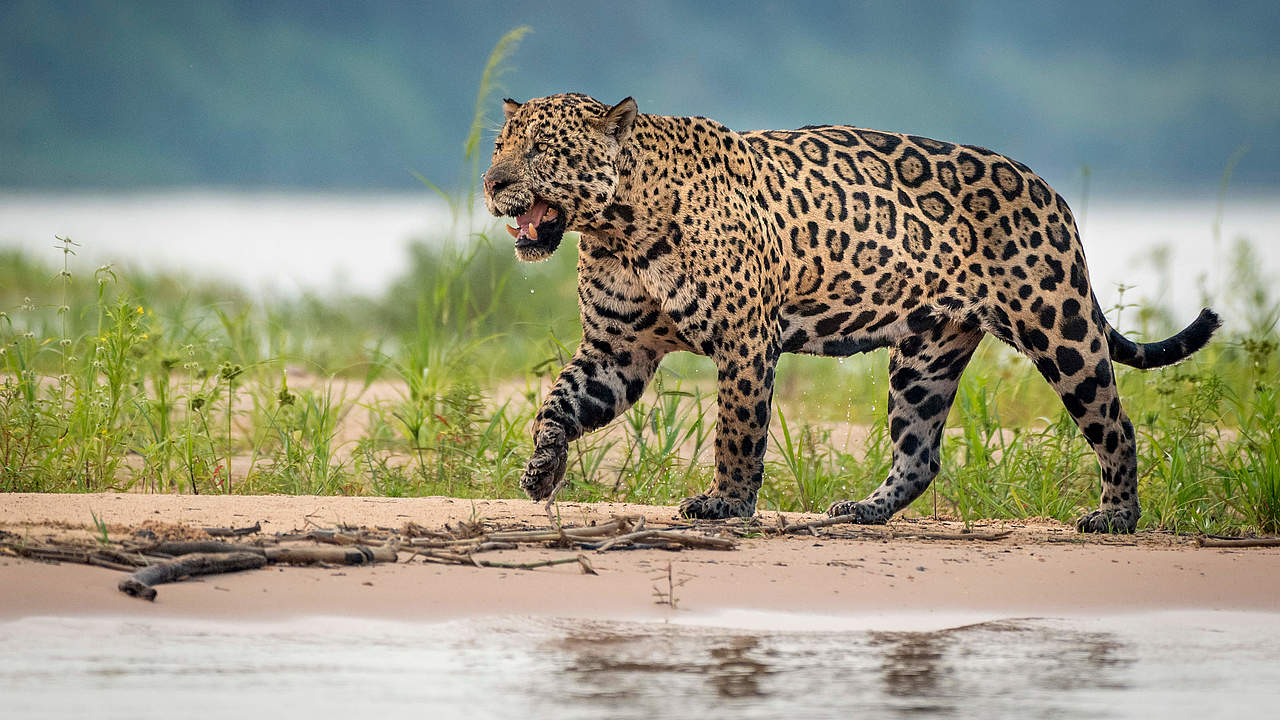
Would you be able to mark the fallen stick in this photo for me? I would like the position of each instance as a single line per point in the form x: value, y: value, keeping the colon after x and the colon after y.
x: 1237, y: 542
x: 954, y: 536
x: 523, y: 536
x: 349, y: 555
x: 101, y: 557
x: 709, y: 542
x: 140, y: 583
x: 233, y: 532
x: 666, y: 537
x: 333, y: 537
x: 185, y: 547
x: 851, y: 519
x: 490, y: 546
x: 448, y: 557
x: 583, y: 564
x: 809, y: 527
x: 623, y: 539
x: 614, y: 526
x: 460, y: 559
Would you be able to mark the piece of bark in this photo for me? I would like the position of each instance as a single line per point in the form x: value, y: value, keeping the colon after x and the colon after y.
x: 140, y: 583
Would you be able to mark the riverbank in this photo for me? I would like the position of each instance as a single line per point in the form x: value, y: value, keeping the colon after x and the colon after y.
x: 1039, y: 568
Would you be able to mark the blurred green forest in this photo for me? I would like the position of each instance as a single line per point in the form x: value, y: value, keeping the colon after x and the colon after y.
x: 103, y: 94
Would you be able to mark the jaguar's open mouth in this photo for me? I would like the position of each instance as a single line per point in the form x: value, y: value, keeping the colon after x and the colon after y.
x: 538, y: 230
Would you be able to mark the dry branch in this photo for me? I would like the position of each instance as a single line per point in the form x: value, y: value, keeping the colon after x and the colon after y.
x: 173, y: 548
x: 1237, y: 542
x: 233, y: 532
x: 851, y: 519
x: 351, y: 555
x: 458, y: 544
x: 140, y: 583
x: 809, y: 527
x: 460, y: 559
x: 98, y: 556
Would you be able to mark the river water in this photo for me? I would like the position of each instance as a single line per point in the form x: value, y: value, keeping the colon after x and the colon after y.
x: 1197, y: 665
x: 286, y: 243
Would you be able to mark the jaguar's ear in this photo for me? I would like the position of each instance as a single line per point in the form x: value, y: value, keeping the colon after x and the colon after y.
x: 509, y: 107
x: 617, y: 120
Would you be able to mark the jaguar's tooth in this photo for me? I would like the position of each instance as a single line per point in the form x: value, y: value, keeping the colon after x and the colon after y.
x: 515, y: 232
x: 533, y: 231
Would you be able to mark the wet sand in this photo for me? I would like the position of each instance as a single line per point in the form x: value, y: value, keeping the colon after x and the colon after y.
x: 1042, y: 568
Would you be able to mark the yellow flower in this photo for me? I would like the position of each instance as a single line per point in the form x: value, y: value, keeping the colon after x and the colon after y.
x: 139, y: 309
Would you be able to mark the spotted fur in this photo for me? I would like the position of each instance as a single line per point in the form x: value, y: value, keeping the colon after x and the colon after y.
x: 827, y: 240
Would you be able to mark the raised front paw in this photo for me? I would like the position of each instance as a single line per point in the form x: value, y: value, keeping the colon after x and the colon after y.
x: 864, y: 513
x: 715, y: 507
x: 546, y: 466
x: 1108, y: 521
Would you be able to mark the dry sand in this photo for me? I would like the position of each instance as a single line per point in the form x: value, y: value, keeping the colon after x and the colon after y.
x: 1042, y: 568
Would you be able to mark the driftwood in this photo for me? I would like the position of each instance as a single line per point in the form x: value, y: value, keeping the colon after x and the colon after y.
x: 155, y: 563
x: 664, y: 537
x: 330, y: 537
x: 620, y: 532
x: 810, y: 527
x: 210, y: 558
x: 101, y: 556
x: 140, y: 583
x: 1237, y: 542
x: 351, y: 555
x: 450, y: 558
x: 233, y: 532
x: 173, y: 548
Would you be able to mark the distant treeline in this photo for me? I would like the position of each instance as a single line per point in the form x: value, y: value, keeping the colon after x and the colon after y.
x: 295, y: 93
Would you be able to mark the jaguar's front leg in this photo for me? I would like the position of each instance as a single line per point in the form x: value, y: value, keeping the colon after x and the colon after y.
x: 600, y: 382
x: 742, y: 431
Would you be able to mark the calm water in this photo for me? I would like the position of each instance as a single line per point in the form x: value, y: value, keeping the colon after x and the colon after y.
x: 289, y: 242
x: 1167, y: 665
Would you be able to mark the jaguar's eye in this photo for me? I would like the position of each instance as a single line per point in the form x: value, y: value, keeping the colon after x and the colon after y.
x: 541, y: 146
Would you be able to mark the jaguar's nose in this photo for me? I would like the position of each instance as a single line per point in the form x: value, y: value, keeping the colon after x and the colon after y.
x: 497, y: 180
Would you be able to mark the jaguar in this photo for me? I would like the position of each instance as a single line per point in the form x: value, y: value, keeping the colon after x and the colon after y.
x: 828, y: 240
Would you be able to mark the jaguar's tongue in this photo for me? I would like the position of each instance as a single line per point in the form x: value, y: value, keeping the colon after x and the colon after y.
x: 529, y: 221
x: 534, y: 216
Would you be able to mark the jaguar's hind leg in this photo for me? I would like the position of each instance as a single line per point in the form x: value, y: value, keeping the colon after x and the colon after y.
x: 924, y: 372
x: 1077, y: 363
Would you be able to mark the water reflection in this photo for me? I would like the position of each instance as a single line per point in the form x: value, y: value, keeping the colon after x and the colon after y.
x: 735, y: 673
x: 941, y: 671
x: 601, y: 663
x: 912, y: 668
x: 1117, y: 667
x: 996, y: 665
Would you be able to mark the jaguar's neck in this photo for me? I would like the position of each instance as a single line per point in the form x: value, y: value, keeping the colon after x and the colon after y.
x: 662, y: 175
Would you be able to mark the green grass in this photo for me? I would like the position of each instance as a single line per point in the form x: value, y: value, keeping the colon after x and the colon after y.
x: 119, y: 380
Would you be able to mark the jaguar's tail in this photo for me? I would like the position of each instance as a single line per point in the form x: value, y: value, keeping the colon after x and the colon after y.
x: 1166, y: 352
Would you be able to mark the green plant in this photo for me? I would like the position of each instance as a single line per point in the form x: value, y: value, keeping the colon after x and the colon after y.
x: 99, y: 529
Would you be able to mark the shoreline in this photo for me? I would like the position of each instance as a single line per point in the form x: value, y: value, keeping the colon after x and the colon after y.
x: 1042, y: 569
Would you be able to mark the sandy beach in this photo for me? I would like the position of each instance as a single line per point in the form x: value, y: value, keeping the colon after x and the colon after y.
x: 1040, y: 568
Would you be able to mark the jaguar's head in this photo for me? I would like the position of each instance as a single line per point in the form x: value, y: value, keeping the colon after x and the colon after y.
x: 554, y: 167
